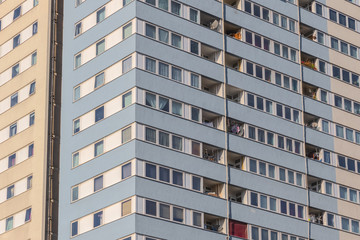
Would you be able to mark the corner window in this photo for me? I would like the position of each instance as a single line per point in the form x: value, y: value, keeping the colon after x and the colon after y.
x: 100, y: 47
x: 10, y: 192
x: 16, y: 41
x: 99, y: 80
x: 100, y: 15
x: 31, y: 150
x: 98, y: 219
x: 75, y: 193
x: 78, y: 60
x: 98, y: 183
x: 74, y: 228
x: 15, y: 70
x: 127, y: 30
x: 9, y: 223
x: 11, y: 160
x: 75, y: 159
x: 78, y: 28
x: 34, y: 28
x: 14, y: 100
x: 126, y: 99
x: 99, y: 113
x: 17, y: 13
x: 77, y: 93
x: 31, y: 119
x: 98, y: 148
x: 13, y: 130
x: 126, y: 135
x: 127, y: 65
x: 32, y: 88
x: 126, y: 171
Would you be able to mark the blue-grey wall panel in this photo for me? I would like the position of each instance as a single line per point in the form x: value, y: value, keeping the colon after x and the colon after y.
x: 266, y: 153
x: 261, y: 184
x: 321, y: 170
x: 214, y: 8
x: 268, y: 219
x: 180, y: 58
x: 316, y: 78
x: 257, y: 25
x: 180, y: 197
x: 265, y: 120
x: 317, y: 108
x: 315, y: 49
x: 179, y: 25
x: 160, y: 228
x: 263, y: 88
x: 285, y: 8
x: 313, y: 20
x: 178, y: 91
x: 320, y: 232
x: 262, y: 57
x: 323, y: 202
x: 319, y: 139
x: 180, y: 161
x: 173, y: 124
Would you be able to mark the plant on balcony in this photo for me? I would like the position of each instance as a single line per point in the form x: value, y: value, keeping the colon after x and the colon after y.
x: 309, y: 64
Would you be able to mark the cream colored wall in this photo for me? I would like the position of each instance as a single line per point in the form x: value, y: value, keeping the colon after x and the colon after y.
x: 344, y: 7
x: 36, y: 165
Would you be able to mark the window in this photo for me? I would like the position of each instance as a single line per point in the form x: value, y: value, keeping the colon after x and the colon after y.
x: 98, y: 148
x: 333, y: 15
x: 299, y: 179
x: 36, y: 2
x: 318, y: 9
x: 283, y: 22
x: 270, y: 138
x: 344, y: 47
x: 78, y: 28
x: 76, y: 93
x: 349, y: 135
x: 78, y: 60
x: 195, y: 148
x: 285, y: 52
x: 126, y: 208
x: 353, y: 51
x: 126, y: 99
x: 75, y: 193
x: 196, y: 183
x: 342, y: 162
x: 195, y: 82
x: 287, y: 113
x: 283, y: 207
x: 338, y: 101
x: 150, y: 30
x: 272, y: 204
x: 343, y: 192
x: 150, y: 170
x: 163, y: 69
x: 164, y: 174
x: 150, y: 207
x: 257, y: 41
x: 33, y: 58
x: 164, y: 211
x: 164, y: 104
x: 176, y: 74
x: 163, y: 35
x: 100, y: 15
x: 292, y: 209
x: 347, y: 105
x: 258, y: 71
x: 254, y: 199
x: 15, y: 70
x: 11, y: 160
x: 345, y: 224
x: 150, y: 65
x: 126, y: 170
x: 175, y: 40
x: 271, y: 171
x: 252, y: 134
x: 126, y: 135
x: 10, y: 191
x: 164, y: 4
x: 28, y: 215
x: 197, y: 219
x: 31, y: 119
x: 17, y: 12
x: 351, y: 23
x: 127, y: 30
x: 282, y: 174
x: 320, y: 37
x: 9, y: 223
x: 178, y: 214
x: 248, y: 7
x: 13, y: 130
x: 261, y: 135
x: 263, y: 201
x: 248, y: 37
x: 150, y: 100
x: 266, y: 15
x: 353, y: 195
x: 269, y: 107
x: 325, y: 126
x: 16, y: 41
x: 98, y: 183
x: 150, y: 135
x: 323, y: 96
x: 334, y: 44
x: 152, y: 2
x: 251, y: 100
x: 32, y: 88
x: 254, y: 233
x: 74, y: 228
x: 330, y: 220
x: 256, y: 10
x: 250, y: 68
x: 193, y: 15
x: 99, y: 113
x: 175, y: 8
x: 75, y: 159
x: 253, y: 166
x: 98, y: 217
x: 14, y: 100
x: 354, y: 226
x: 194, y: 47
x: 339, y: 131
x: 100, y: 47
x: 177, y: 178
x: 267, y: 47
x: 99, y: 80
x: 176, y: 108
x: 351, y: 164
x: 342, y: 19
x: 276, y: 18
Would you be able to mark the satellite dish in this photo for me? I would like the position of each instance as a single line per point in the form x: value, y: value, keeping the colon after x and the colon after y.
x: 214, y: 24
x: 314, y: 125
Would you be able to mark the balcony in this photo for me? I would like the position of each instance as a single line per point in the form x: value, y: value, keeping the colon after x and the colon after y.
x: 312, y: 121
x: 308, y: 32
x: 210, y: 21
x: 214, y: 188
x: 235, y: 94
x: 233, y: 62
x: 213, y: 154
x: 235, y: 127
x: 213, y: 120
x: 310, y: 90
x: 314, y: 184
x: 308, y: 61
x: 214, y: 223
x: 236, y: 160
x: 211, y: 86
x: 211, y: 53
x: 316, y: 216
x: 233, y: 3
x: 233, y: 30
x: 306, y: 4
x: 237, y: 194
x: 312, y: 152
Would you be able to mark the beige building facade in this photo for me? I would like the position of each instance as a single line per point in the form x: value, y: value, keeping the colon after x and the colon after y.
x: 27, y: 103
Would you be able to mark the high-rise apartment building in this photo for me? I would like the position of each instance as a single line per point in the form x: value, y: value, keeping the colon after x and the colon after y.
x: 29, y: 134
x: 205, y: 119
